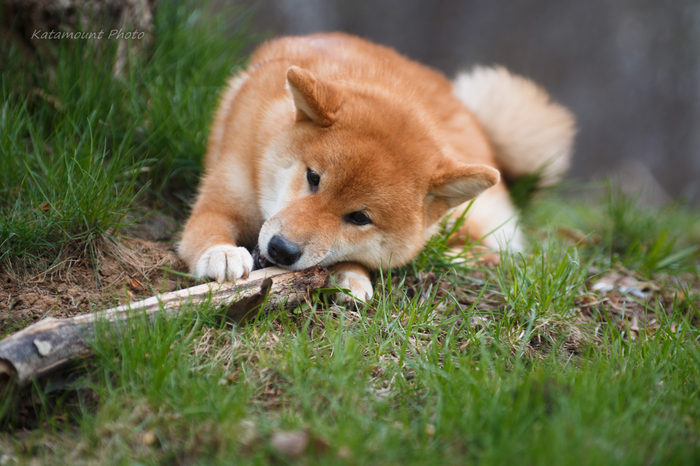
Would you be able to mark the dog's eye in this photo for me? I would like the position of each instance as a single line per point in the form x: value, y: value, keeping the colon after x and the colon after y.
x: 358, y: 218
x: 313, y: 178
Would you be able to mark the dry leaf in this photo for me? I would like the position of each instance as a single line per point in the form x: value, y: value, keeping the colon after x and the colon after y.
x: 625, y: 284
x: 578, y: 236
x: 634, y: 287
x: 604, y: 286
x: 634, y: 327
x: 135, y: 284
x: 320, y: 444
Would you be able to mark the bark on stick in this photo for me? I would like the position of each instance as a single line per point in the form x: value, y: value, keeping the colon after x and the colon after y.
x: 52, y: 343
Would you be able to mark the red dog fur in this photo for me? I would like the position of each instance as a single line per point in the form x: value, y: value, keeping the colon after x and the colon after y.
x: 335, y: 151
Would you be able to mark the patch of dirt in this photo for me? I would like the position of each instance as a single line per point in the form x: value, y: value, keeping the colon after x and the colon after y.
x: 124, y: 270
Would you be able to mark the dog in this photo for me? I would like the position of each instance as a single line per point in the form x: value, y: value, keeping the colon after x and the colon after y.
x: 331, y: 150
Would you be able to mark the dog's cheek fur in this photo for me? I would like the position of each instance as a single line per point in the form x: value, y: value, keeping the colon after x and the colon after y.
x: 316, y: 221
x: 327, y: 239
x: 379, y: 248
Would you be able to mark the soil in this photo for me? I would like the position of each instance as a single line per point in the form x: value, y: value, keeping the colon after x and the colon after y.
x: 124, y: 270
x: 132, y: 269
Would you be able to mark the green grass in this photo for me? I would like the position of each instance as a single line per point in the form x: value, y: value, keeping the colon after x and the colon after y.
x: 402, y: 382
x: 475, y: 364
x: 78, y: 146
x: 452, y: 362
x: 622, y: 232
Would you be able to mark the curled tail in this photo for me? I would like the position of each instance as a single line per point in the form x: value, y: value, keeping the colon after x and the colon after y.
x: 530, y: 134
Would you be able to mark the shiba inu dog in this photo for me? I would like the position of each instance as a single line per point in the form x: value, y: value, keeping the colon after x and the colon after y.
x: 331, y: 150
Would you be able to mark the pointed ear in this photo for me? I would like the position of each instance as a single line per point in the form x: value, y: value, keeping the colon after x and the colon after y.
x: 315, y: 99
x: 461, y: 183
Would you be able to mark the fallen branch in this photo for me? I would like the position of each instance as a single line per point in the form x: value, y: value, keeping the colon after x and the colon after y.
x: 52, y: 343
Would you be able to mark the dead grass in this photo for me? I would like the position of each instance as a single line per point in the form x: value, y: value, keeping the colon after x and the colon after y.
x: 121, y: 270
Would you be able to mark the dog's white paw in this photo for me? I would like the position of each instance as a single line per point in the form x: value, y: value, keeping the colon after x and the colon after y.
x: 359, y: 285
x: 225, y: 262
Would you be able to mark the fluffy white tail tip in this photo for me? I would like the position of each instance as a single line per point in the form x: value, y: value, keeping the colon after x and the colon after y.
x: 530, y: 133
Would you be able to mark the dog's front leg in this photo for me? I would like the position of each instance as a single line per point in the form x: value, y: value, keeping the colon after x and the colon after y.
x: 209, y: 248
x: 354, y: 277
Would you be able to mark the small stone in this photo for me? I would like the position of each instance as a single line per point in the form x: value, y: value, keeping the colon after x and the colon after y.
x: 344, y: 452
x: 290, y: 443
x: 149, y: 438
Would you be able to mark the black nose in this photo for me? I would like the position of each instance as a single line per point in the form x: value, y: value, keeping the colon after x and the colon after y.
x: 283, y: 251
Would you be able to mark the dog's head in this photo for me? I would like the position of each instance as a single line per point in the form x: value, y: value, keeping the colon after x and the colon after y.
x: 359, y: 176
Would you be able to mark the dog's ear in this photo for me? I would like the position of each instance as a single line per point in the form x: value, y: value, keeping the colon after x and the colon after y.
x: 454, y: 184
x: 315, y: 99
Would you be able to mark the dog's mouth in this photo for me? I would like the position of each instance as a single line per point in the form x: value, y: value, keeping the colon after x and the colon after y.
x: 260, y: 261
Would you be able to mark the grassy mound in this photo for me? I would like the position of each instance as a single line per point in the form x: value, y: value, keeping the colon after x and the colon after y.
x: 584, y: 350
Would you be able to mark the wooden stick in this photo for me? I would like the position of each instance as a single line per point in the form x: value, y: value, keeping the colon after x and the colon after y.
x: 51, y: 343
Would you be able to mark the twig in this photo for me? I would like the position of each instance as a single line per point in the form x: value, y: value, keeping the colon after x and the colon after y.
x: 52, y: 343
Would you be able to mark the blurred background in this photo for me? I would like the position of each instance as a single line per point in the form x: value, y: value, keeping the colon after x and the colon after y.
x: 629, y: 69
